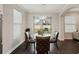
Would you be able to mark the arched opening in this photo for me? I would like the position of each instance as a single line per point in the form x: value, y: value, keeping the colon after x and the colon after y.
x: 70, y: 22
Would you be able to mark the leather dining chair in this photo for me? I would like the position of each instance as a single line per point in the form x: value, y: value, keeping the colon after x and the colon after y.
x: 42, y: 45
x: 29, y: 41
x: 55, y: 39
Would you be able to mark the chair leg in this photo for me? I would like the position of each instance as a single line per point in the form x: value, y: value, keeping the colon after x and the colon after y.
x: 34, y: 47
x: 47, y: 52
x: 56, y: 45
x: 26, y: 46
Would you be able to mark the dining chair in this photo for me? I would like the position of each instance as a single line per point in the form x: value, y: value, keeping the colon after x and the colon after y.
x: 55, y: 39
x: 29, y: 41
x: 42, y: 45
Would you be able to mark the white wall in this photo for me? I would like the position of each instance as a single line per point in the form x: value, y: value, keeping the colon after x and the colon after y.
x: 61, y: 28
x: 75, y: 14
x: 8, y: 43
x: 1, y: 11
x: 61, y: 23
x: 55, y: 20
x: 1, y: 28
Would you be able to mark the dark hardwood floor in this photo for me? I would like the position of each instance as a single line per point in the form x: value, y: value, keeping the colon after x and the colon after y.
x: 69, y: 47
x: 65, y: 47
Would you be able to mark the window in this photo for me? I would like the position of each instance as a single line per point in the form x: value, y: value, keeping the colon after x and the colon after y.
x: 17, y: 24
x: 70, y: 24
x: 42, y: 24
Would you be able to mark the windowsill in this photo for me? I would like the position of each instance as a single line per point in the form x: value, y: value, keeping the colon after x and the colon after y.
x: 68, y: 32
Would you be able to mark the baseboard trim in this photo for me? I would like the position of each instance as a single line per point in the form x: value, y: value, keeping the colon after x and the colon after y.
x: 14, y: 48
x: 68, y: 39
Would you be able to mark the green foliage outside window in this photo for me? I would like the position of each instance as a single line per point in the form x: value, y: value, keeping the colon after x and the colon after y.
x: 42, y: 26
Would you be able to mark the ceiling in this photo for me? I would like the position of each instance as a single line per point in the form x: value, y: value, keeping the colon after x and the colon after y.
x: 74, y: 9
x: 43, y: 8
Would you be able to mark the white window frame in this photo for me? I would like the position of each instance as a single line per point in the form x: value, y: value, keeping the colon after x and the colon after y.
x: 70, y: 24
x: 17, y: 16
x: 42, y: 16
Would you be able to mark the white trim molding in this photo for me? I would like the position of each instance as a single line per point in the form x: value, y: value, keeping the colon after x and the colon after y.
x: 13, y: 48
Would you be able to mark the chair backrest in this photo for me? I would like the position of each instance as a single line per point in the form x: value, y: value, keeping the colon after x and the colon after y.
x: 42, y: 44
x: 26, y: 38
x: 56, y: 35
